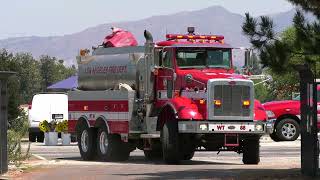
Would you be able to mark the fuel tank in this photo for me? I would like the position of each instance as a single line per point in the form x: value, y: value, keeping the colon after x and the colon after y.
x: 107, y: 67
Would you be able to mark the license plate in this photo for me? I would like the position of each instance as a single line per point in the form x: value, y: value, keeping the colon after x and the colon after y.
x: 57, y: 116
x: 231, y: 127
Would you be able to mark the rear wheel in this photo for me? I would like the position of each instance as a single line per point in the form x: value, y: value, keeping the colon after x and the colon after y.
x: 32, y: 137
x: 40, y: 137
x: 110, y: 147
x: 73, y: 138
x: 251, y: 151
x: 170, y: 142
x: 86, y: 141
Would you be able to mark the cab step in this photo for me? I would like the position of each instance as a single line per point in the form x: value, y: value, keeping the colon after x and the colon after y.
x: 150, y: 136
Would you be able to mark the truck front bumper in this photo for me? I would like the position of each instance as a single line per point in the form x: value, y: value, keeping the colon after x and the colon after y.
x: 255, y: 127
x: 270, y: 125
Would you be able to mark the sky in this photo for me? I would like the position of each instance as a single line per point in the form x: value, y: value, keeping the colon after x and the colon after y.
x: 60, y: 17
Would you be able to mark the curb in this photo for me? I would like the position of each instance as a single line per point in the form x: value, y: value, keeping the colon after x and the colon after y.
x: 24, y: 140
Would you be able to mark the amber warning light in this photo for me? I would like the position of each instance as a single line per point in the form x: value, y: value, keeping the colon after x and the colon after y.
x: 206, y: 37
x: 246, y: 103
x: 217, y: 103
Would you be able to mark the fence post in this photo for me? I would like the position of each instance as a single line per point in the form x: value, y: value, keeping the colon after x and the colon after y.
x: 4, y: 75
x: 308, y: 108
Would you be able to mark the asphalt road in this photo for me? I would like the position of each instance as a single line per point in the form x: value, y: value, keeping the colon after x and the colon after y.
x: 278, y: 160
x: 268, y: 149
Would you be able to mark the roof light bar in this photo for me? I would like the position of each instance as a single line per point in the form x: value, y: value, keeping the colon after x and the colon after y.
x: 208, y: 37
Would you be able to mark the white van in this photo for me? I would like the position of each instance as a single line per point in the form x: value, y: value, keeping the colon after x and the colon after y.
x: 46, y: 106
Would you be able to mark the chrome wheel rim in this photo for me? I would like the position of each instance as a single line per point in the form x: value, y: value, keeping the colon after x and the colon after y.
x: 103, y: 142
x: 84, y: 140
x: 288, y: 130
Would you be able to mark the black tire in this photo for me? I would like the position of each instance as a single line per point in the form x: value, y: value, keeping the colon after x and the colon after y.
x: 73, y: 138
x: 170, y: 142
x: 155, y: 153
x: 251, y: 151
x: 152, y: 154
x: 274, y: 137
x: 187, y: 146
x: 87, y: 148
x: 32, y: 137
x: 116, y: 150
x: 188, y: 155
x: 294, y: 132
x: 40, y: 137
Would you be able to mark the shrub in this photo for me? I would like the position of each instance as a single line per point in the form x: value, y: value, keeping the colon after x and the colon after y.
x: 16, y: 132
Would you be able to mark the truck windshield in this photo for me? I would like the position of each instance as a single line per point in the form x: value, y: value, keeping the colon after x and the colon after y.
x: 204, y: 58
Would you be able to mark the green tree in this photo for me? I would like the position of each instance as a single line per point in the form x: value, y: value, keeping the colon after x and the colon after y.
x: 7, y: 63
x: 30, y: 77
x: 53, y: 70
x: 282, y: 85
x: 281, y: 55
x: 48, y: 71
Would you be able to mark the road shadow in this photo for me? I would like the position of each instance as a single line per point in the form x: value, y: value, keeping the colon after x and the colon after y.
x: 229, y: 174
x: 141, y: 160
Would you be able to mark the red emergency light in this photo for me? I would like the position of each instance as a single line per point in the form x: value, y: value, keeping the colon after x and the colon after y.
x: 190, y: 37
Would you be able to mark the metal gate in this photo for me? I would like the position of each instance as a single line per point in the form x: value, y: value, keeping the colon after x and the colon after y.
x: 309, y: 136
x: 3, y: 121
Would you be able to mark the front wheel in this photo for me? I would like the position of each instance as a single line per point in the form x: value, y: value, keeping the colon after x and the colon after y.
x: 287, y: 130
x: 188, y: 155
x: 274, y: 137
x: 155, y: 152
x: 170, y: 142
x: 152, y: 154
x: 251, y: 151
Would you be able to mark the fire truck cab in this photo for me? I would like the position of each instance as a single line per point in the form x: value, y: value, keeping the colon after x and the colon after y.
x: 168, y: 99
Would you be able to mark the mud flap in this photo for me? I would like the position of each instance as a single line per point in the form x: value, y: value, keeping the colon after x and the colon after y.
x: 231, y: 140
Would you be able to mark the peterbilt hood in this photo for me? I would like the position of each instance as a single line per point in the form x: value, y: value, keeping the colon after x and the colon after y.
x: 205, y: 75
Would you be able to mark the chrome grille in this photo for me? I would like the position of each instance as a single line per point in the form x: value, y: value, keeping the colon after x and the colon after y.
x: 231, y: 93
x: 231, y: 98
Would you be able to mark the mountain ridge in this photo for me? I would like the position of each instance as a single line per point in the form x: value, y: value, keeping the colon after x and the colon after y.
x: 214, y: 19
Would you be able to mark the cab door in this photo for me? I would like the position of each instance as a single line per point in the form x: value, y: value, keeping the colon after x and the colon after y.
x: 165, y: 78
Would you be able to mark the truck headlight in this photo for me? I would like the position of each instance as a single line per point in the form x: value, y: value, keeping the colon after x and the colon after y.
x: 270, y: 114
x: 203, y: 127
x: 259, y: 127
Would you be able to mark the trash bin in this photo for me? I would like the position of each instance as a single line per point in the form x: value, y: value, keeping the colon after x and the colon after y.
x: 4, y: 75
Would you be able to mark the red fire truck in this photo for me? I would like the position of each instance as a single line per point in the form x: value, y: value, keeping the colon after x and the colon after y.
x: 168, y: 99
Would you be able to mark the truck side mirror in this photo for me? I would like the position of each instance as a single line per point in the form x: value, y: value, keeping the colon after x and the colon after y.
x: 163, y: 58
x: 247, y: 58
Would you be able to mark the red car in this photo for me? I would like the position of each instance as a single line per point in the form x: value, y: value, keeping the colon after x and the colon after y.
x: 285, y: 115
